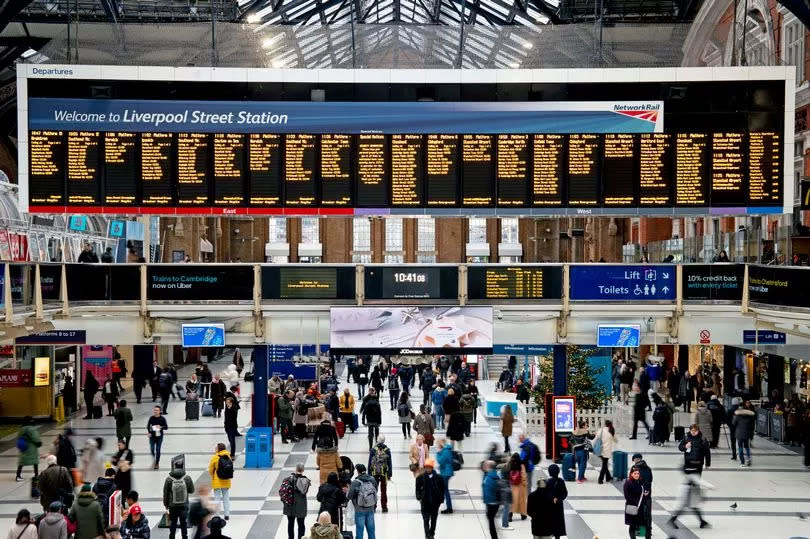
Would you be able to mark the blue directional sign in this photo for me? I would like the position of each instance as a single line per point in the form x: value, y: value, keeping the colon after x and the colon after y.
x: 763, y: 336
x: 622, y: 283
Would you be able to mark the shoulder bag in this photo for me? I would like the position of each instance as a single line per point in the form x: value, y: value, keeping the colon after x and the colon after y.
x: 633, y: 510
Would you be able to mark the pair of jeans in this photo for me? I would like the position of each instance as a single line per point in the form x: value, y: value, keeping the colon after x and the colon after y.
x: 581, y: 457
x: 438, y: 417
x: 744, y: 444
x: 231, y: 433
x: 178, y: 515
x: 448, y: 502
x: 364, y: 520
x: 429, y: 516
x: 506, y: 447
x: 492, y: 510
x: 361, y: 390
x: 505, y: 515
x: 154, y: 447
x: 604, y: 473
x: 635, y: 427
x: 224, y: 494
x: 291, y: 527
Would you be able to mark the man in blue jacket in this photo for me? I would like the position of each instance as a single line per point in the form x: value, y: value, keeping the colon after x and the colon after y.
x: 528, y: 452
x: 444, y: 457
x: 490, y: 489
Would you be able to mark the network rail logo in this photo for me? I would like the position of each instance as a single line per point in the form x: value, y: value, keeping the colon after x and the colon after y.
x: 644, y: 111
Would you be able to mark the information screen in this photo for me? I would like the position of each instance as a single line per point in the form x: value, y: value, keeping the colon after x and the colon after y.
x: 229, y: 169
x: 336, y: 173
x: 411, y: 282
x: 372, y: 171
x: 514, y: 282
x: 477, y: 170
x: 407, y: 156
x: 192, y: 169
x: 764, y: 170
x: 83, y: 167
x: 619, y: 174
x: 299, y: 170
x: 442, y: 173
x: 47, y: 167
x: 120, y: 169
x: 264, y: 167
x: 691, y: 185
x: 513, y: 170
x: 308, y: 282
x: 583, y: 170
x: 728, y: 170
x: 655, y: 169
x: 549, y: 170
x: 156, y: 168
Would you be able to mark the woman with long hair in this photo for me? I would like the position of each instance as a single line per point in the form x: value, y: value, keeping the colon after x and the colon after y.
x: 519, y: 483
x: 635, y: 500
x: 507, y: 419
x: 607, y: 436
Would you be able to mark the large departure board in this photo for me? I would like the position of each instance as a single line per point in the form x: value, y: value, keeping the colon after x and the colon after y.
x: 728, y: 170
x: 512, y: 171
x: 514, y: 282
x: 548, y: 170
x: 407, y: 155
x: 764, y: 171
x: 192, y: 169
x: 336, y: 173
x: 583, y: 170
x: 229, y: 169
x: 83, y: 167
x: 442, y: 171
x: 619, y: 174
x: 47, y: 167
x: 120, y: 169
x: 373, y: 176
x: 299, y: 170
x: 655, y: 169
x: 264, y: 168
x: 477, y: 171
x: 156, y: 168
x: 308, y: 282
x: 691, y: 180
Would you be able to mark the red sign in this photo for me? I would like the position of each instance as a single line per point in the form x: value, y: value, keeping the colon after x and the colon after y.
x: 705, y: 336
x: 15, y: 377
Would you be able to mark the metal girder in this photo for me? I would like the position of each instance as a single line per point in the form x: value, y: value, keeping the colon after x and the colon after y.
x: 9, y: 9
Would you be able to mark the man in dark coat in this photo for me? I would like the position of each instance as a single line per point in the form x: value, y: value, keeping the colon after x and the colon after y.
x: 718, y: 416
x: 55, y: 484
x: 325, y: 436
x: 65, y: 452
x: 371, y: 414
x: 430, y: 488
x: 556, y: 492
x: 539, y: 509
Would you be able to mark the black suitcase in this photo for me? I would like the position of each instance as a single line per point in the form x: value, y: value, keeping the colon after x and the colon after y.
x: 680, y: 432
x: 97, y: 411
x: 345, y: 534
x: 192, y: 409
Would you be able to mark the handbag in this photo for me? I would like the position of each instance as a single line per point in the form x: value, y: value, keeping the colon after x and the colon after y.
x: 597, y: 445
x: 429, y: 439
x: 164, y: 521
x: 633, y: 510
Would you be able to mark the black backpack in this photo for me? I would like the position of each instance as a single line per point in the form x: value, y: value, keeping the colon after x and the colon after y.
x: 225, y: 467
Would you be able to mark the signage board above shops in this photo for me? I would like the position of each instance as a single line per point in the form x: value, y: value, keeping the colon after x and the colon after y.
x: 763, y: 336
x: 712, y: 282
x: 55, y: 336
x: 608, y: 282
x: 15, y: 378
x: 778, y: 285
x: 183, y: 282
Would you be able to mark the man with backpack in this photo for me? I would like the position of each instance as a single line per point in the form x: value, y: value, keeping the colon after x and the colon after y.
x: 293, y: 495
x: 363, y: 494
x: 467, y: 404
x: 426, y: 382
x: 176, y: 490
x: 430, y: 488
x: 220, y: 468
x: 529, y: 455
x: 381, y: 468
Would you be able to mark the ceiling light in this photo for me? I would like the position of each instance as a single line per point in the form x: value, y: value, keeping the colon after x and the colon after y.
x: 253, y: 18
x: 514, y: 65
x: 527, y: 45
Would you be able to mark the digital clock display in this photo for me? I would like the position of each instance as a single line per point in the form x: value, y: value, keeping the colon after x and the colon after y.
x: 420, y: 282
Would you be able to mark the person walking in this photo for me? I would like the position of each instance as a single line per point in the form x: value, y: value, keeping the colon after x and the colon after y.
x: 325, y: 438
x: 332, y: 498
x: 405, y: 414
x: 451, y: 403
x: 455, y: 429
x: 736, y: 402
x: 430, y: 489
x: 332, y: 404
x: 696, y: 454
x: 718, y: 412
x: 519, y: 484
x: 661, y: 419
x: 636, y: 498
x: 218, y: 390
x: 165, y: 389
x: 86, y: 513
x: 556, y: 492
x: 540, y: 507
x: 468, y: 403
x: 743, y: 425
x: 426, y: 382
x: 28, y: 444
x: 372, y: 417
x: 123, y: 422
x: 177, y: 488
x: 55, y: 484
x: 361, y: 378
x: 156, y: 426
x: 285, y: 416
x: 103, y: 489
x: 490, y: 488
x: 220, y: 468
x: 393, y: 388
x: 64, y: 450
x: 328, y: 461
x: 53, y: 525
x: 579, y: 446
x: 646, y: 481
x: 639, y: 412
x: 381, y: 468
x: 122, y: 460
x: 626, y: 375
x: 238, y: 361
x: 423, y: 424
x: 606, y: 438
x: 686, y: 391
x: 444, y: 458
x: 437, y: 399
x: 295, y: 509
x: 91, y: 462
x: 418, y: 455
x: 507, y: 420
x: 375, y: 380
x: 363, y: 495
x: 109, y: 392
x: 231, y: 423
x: 346, y: 403
x: 91, y: 387
x: 703, y: 418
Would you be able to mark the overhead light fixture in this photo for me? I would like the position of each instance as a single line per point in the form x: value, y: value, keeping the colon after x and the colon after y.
x: 514, y: 65
x: 527, y: 45
x: 270, y: 41
x: 253, y: 18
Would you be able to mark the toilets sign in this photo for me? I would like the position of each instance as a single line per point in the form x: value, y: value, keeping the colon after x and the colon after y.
x: 607, y: 282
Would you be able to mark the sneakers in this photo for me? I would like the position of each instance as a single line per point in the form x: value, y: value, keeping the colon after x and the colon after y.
x: 671, y: 522
x: 19, y: 479
x: 507, y: 528
x: 704, y: 524
x: 580, y: 481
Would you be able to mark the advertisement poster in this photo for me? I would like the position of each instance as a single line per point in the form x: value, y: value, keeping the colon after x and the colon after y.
x: 203, y: 335
x: 411, y: 330
x: 98, y: 359
x: 42, y: 371
x: 15, y: 377
x: 5, y: 246
x: 618, y: 335
x: 183, y: 282
x: 564, y: 414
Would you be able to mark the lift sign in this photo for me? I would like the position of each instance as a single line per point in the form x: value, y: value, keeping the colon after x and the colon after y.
x: 623, y: 283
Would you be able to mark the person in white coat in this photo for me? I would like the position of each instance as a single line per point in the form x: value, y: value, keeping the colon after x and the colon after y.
x: 607, y: 437
x: 231, y: 378
x: 91, y: 462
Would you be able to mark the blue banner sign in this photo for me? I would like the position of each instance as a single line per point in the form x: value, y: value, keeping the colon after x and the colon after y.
x: 765, y: 336
x: 522, y: 349
x: 623, y: 283
x: 55, y: 336
x: 618, y: 335
x: 347, y: 117
x: 285, y: 352
x: 203, y: 335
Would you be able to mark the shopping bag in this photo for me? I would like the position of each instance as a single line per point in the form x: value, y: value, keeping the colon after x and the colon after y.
x: 164, y: 521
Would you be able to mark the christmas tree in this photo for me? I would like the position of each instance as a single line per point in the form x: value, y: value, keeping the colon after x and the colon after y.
x: 581, y: 379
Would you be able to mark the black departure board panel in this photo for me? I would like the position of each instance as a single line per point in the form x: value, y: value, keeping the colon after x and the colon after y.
x: 583, y: 170
x: 548, y: 169
x: 512, y: 170
x: 442, y: 171
x: 373, y: 174
x: 311, y: 281
x: 514, y: 282
x: 121, y: 166
x: 764, y: 169
x: 229, y: 169
x: 83, y: 167
x: 192, y: 169
x: 691, y: 167
x: 157, y: 150
x: 655, y: 169
x: 477, y: 169
x: 47, y: 167
x: 407, y: 155
x: 264, y: 169
x: 336, y: 173
x: 299, y: 170
x: 728, y: 170
x: 411, y: 282
x: 618, y: 170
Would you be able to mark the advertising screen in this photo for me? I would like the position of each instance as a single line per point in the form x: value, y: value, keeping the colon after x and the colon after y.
x: 42, y: 371
x: 203, y: 335
x: 195, y: 283
x: 618, y: 335
x: 779, y: 286
x: 411, y: 330
x: 563, y: 414
x: 712, y: 282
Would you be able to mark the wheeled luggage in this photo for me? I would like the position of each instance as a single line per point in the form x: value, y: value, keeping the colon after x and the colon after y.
x: 619, y: 465
x: 208, y: 408
x: 192, y: 409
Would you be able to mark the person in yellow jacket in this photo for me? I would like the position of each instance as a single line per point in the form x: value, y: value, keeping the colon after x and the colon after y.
x: 347, y: 409
x: 221, y: 471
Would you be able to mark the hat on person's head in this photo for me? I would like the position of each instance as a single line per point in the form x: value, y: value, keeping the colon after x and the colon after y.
x: 50, y: 460
x: 55, y: 507
x: 217, y: 523
x: 86, y: 487
x: 637, y: 456
x: 430, y: 462
x: 135, y: 510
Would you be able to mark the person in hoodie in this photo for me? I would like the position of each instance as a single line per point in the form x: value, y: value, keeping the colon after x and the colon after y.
x: 380, y: 467
x: 703, y: 418
x: 86, y: 513
x: 743, y: 427
x: 103, y: 489
x: 430, y: 489
x: 92, y: 461
x: 444, y: 457
x: 363, y: 495
x: 332, y: 497
x: 177, y: 508
x: 324, y: 528
x: 24, y: 527
x: 64, y: 450
x: 326, y: 437
x: 136, y: 525
x: 53, y: 525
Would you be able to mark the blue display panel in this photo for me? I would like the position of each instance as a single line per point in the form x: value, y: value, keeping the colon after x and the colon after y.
x: 619, y: 282
x: 618, y: 335
x: 203, y: 335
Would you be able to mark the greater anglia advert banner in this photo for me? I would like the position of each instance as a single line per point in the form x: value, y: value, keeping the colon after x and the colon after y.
x: 456, y: 117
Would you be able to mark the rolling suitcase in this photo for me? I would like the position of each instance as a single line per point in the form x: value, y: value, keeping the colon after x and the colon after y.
x: 344, y: 534
x: 192, y: 409
x: 619, y: 465
x: 97, y: 411
x: 208, y: 408
x: 340, y: 426
x: 680, y: 432
x: 568, y: 470
x: 355, y: 423
x: 181, y: 392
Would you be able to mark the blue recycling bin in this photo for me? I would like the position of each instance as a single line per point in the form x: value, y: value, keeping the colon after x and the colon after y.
x: 259, y: 447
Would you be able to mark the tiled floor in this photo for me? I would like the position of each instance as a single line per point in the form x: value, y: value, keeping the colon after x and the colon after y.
x: 771, y: 497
